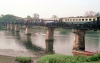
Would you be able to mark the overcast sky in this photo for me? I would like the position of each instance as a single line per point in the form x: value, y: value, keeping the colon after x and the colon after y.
x: 47, y: 8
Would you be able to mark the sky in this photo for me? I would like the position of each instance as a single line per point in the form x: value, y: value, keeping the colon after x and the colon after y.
x: 47, y: 8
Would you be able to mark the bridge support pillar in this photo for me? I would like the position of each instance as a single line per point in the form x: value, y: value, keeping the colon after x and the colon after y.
x: 12, y: 27
x: 28, y: 31
x: 16, y: 28
x: 79, y: 41
x: 49, y: 46
x: 49, y: 34
x: 8, y: 26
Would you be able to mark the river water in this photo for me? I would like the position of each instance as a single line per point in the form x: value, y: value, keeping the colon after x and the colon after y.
x: 19, y: 44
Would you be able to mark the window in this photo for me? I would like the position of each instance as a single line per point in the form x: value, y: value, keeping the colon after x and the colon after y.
x: 76, y: 19
x: 79, y: 19
x: 86, y: 19
x: 90, y: 19
x: 73, y: 19
x: 82, y: 19
x: 93, y: 19
x: 68, y: 19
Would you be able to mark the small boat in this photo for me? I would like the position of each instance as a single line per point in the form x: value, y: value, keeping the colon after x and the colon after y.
x: 37, y: 33
x: 86, y: 53
x: 43, y: 34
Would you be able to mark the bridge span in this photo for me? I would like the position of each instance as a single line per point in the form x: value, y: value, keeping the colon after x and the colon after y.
x: 78, y: 28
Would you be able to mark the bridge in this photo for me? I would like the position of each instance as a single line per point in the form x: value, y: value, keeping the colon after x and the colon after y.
x: 78, y: 28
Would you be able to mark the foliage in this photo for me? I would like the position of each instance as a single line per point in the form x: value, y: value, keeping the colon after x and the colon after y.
x: 68, y: 59
x: 23, y: 59
x: 54, y: 16
x: 95, y: 57
x: 2, y: 28
x: 10, y: 18
x: 97, y: 14
x: 90, y: 13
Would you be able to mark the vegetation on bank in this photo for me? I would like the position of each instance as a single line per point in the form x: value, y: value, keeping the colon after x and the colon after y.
x: 2, y: 28
x: 69, y: 59
x: 24, y: 59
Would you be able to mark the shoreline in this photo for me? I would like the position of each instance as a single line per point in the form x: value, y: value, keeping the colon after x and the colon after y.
x: 11, y: 59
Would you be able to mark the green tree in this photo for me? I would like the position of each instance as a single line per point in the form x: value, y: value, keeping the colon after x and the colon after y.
x: 1, y: 15
x: 54, y: 16
x: 8, y: 17
x: 97, y: 14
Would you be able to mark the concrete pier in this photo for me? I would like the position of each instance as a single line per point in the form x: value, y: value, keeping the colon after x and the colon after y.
x: 28, y: 38
x: 79, y: 40
x: 12, y: 27
x: 8, y: 26
x: 28, y: 30
x: 49, y: 34
x: 49, y: 46
x: 17, y: 35
x: 17, y: 28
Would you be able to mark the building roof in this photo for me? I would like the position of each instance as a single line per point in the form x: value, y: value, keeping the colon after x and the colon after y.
x: 51, y: 18
x: 82, y: 17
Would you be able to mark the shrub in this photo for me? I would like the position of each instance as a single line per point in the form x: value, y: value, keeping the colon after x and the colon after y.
x: 23, y: 59
x: 68, y: 59
x: 95, y: 57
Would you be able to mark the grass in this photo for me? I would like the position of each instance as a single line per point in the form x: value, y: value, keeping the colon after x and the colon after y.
x: 24, y: 59
x: 93, y: 62
x: 7, y: 59
x: 69, y: 59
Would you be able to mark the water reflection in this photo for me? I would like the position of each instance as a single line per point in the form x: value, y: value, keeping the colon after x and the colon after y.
x: 29, y: 45
x: 17, y: 35
x: 12, y: 32
x: 49, y: 47
x: 92, y: 40
x: 17, y: 43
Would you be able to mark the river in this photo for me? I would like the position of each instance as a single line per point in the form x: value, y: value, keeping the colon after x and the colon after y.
x: 19, y: 44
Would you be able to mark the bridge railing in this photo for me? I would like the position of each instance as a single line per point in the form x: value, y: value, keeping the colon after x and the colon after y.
x: 56, y: 24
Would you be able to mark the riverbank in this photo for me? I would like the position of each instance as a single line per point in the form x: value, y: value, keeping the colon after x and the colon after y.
x: 9, y: 59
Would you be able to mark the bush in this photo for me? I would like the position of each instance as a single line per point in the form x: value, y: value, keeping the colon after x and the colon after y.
x: 23, y: 59
x: 95, y: 57
x: 68, y: 59
x: 56, y: 59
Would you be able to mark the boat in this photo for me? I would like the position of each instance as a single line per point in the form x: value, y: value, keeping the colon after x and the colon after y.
x: 37, y: 33
x: 43, y: 34
x: 85, y: 53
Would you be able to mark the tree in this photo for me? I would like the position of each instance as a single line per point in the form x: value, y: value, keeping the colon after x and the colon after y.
x: 97, y: 14
x: 8, y: 17
x: 54, y: 16
x: 29, y: 17
x: 36, y: 15
x: 90, y: 13
x: 1, y: 15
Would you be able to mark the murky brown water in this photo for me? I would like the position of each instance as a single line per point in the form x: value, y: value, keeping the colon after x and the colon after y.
x: 19, y: 44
